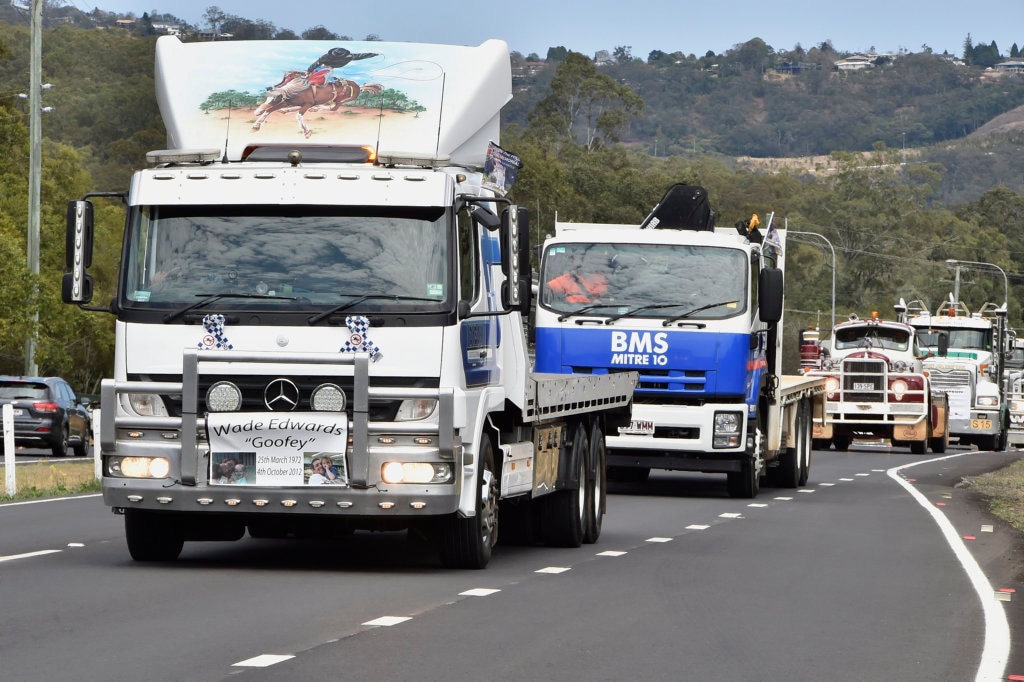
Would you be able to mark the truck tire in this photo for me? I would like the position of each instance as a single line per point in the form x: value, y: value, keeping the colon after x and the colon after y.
x: 566, y: 511
x: 805, y: 442
x: 152, y: 536
x: 596, y: 486
x: 745, y: 483
x: 787, y: 473
x: 918, y: 447
x: 468, y: 543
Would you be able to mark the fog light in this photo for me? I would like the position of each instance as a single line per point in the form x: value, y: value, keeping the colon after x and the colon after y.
x: 328, y: 398
x: 416, y: 472
x: 223, y: 396
x: 140, y: 467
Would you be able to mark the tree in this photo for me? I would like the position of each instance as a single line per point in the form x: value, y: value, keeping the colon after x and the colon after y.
x: 585, y: 106
x: 622, y: 54
x: 557, y: 54
x: 319, y: 33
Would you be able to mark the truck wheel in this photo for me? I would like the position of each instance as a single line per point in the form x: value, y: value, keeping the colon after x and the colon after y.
x: 787, y: 473
x: 566, y: 512
x: 468, y: 543
x: 939, y: 444
x: 744, y: 483
x: 918, y: 447
x: 1003, y: 440
x: 152, y: 536
x: 804, y: 443
x: 596, y: 486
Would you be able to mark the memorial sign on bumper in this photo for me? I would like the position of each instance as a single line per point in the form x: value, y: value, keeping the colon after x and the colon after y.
x: 268, y: 449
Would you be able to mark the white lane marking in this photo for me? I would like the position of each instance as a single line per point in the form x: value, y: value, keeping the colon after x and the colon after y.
x: 29, y: 555
x: 757, y: 505
x: 697, y: 526
x: 50, y: 499
x: 806, y: 490
x: 862, y: 474
x: 784, y: 499
x: 845, y: 479
x: 76, y: 544
x: 553, y: 569
x: 826, y: 485
x: 479, y: 592
x: 610, y: 552
x: 659, y: 539
x: 388, y: 621
x: 996, y: 652
x: 730, y: 515
x: 987, y: 528
x: 262, y: 661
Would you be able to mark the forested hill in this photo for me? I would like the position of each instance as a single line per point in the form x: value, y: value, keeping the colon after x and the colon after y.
x: 909, y: 163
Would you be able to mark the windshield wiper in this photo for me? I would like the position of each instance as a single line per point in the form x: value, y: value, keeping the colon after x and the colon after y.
x: 349, y: 304
x: 634, y: 311
x: 210, y: 298
x: 585, y: 309
x: 696, y: 310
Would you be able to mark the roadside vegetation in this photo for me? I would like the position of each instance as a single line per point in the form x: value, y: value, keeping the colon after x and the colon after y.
x: 52, y: 479
x: 1004, y: 492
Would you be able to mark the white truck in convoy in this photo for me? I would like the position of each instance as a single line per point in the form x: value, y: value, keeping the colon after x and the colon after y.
x: 319, y: 318
x: 1013, y: 375
x: 875, y: 387
x: 697, y: 311
x: 966, y: 352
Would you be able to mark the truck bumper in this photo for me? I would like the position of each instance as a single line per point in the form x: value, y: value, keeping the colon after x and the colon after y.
x: 677, y: 438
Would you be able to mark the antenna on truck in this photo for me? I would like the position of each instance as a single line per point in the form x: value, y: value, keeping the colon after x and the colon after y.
x: 227, y: 133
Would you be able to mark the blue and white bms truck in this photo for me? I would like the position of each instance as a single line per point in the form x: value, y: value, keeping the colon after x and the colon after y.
x: 697, y: 311
x: 320, y: 306
x: 966, y: 355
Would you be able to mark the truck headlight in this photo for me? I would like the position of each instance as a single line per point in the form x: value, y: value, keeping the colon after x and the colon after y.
x: 728, y: 429
x: 987, y: 401
x: 139, y: 467
x: 416, y: 472
x: 1017, y: 406
x: 415, y: 408
x: 144, y: 404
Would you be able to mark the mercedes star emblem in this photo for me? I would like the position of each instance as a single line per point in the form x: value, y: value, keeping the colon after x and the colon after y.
x: 281, y: 395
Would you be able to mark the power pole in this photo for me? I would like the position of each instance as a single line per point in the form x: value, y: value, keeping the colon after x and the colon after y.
x: 35, y: 77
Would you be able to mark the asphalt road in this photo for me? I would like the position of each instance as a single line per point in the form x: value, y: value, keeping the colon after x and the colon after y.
x: 849, y: 578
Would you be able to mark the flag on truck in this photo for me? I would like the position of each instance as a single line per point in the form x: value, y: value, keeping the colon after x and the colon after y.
x: 500, y: 168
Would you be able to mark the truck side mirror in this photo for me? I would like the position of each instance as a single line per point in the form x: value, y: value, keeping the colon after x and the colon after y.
x: 769, y: 294
x: 77, y: 284
x: 943, y: 344
x: 515, y: 259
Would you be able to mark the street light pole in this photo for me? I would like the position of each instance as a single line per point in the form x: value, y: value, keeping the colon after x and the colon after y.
x: 832, y: 249
x: 958, y: 263
x: 35, y: 163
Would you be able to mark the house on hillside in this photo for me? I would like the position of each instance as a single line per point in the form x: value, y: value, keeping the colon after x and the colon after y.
x: 855, y: 62
x: 1010, y: 66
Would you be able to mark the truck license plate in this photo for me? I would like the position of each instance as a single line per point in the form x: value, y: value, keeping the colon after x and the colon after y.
x: 638, y: 427
x: 979, y: 424
x: 18, y: 412
x: 863, y: 386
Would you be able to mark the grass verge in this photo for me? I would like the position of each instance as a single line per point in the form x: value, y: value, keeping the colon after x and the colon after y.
x: 51, y: 479
x: 1004, y: 491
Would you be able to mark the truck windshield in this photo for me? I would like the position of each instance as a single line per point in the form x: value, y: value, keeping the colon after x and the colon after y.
x: 287, y: 257
x: 975, y: 339
x: 645, y: 280
x: 873, y: 337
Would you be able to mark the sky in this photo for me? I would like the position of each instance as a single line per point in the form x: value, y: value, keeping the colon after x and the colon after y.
x: 587, y: 26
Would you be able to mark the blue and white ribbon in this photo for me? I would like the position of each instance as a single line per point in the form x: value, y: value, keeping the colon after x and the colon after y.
x: 357, y: 339
x: 214, y: 337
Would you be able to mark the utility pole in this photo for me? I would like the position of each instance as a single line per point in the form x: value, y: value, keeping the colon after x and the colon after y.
x: 35, y: 77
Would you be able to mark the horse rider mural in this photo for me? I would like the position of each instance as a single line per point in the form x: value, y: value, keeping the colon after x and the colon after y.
x: 318, y: 73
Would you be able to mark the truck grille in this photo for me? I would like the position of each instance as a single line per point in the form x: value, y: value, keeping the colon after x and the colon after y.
x: 864, y: 380
x: 957, y: 379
